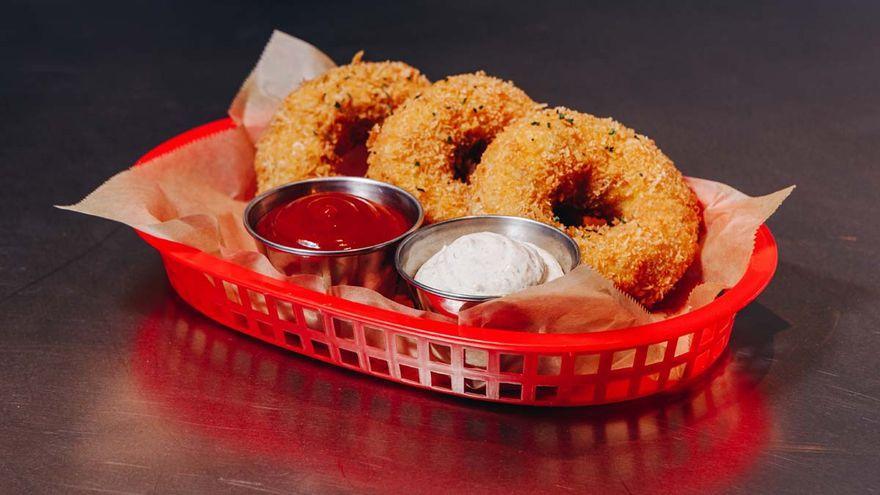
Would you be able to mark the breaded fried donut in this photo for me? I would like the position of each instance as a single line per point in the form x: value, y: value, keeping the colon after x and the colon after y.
x: 621, y: 199
x: 431, y: 144
x: 322, y: 126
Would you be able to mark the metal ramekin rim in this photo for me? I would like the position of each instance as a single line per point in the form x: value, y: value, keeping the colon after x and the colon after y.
x: 339, y: 252
x: 469, y: 297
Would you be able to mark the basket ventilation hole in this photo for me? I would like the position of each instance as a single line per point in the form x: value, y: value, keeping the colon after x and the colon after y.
x: 293, y: 340
x: 475, y: 358
x: 266, y: 329
x: 623, y: 359
x: 684, y: 344
x: 313, y: 319
x: 475, y: 386
x: 510, y: 390
x: 231, y: 292
x: 409, y: 373
x: 285, y: 311
x: 374, y: 337
x: 439, y: 353
x: 549, y: 365
x: 656, y: 353
x: 649, y: 383
x: 677, y: 372
x: 349, y: 357
x: 441, y: 380
x: 586, y: 364
x: 344, y: 329
x: 258, y: 302
x: 321, y: 348
x: 545, y: 392
x: 407, y: 346
x: 511, y: 363
x: 379, y: 366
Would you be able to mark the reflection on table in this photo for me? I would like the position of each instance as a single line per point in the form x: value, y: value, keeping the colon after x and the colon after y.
x: 263, y: 401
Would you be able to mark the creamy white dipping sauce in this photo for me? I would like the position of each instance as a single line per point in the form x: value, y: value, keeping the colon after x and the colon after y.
x: 488, y: 264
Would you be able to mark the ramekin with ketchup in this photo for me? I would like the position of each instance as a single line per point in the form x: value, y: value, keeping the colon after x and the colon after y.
x: 344, y: 229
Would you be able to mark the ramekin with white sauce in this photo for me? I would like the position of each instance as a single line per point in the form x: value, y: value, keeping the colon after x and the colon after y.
x: 461, y: 262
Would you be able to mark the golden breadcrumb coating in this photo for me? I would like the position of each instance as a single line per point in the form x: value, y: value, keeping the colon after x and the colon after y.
x: 431, y: 143
x: 622, y: 200
x: 321, y: 127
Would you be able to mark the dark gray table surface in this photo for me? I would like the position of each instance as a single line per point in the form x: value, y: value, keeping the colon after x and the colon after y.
x: 105, y: 385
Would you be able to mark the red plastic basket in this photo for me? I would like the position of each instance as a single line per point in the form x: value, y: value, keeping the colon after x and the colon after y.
x: 538, y: 369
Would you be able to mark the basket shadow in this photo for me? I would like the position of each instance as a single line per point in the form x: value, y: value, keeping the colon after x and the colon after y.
x: 752, y: 339
x: 808, y: 306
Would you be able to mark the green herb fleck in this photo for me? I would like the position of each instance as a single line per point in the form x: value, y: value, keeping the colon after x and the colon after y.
x: 548, y: 125
x: 419, y: 189
x: 556, y: 219
x: 337, y: 105
x: 535, y: 123
x: 449, y: 139
x: 612, y: 132
x: 417, y: 164
x: 609, y: 149
x: 564, y: 117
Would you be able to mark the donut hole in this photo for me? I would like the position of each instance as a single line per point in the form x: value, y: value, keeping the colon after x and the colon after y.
x: 571, y: 214
x: 575, y: 205
x: 350, y: 147
x: 466, y: 157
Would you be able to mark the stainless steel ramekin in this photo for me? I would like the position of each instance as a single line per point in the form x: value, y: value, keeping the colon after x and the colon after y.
x: 418, y: 247
x: 371, y: 266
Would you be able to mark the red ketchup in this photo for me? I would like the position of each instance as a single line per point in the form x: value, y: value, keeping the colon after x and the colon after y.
x: 331, y: 221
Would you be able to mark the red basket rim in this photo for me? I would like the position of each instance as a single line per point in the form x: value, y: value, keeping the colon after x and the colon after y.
x: 760, y: 270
